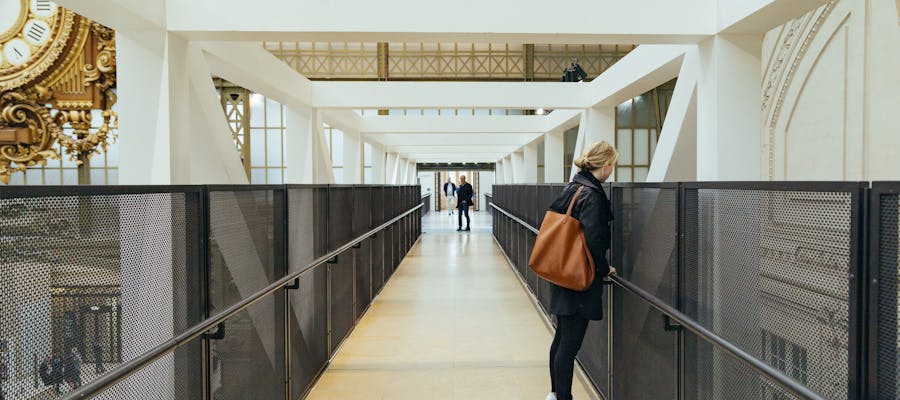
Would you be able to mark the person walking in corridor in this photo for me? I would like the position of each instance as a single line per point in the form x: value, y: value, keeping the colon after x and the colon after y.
x: 450, y: 193
x: 574, y: 309
x: 463, y: 201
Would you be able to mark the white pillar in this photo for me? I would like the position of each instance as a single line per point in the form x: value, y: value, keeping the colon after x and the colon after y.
x: 379, y: 163
x: 393, y: 162
x: 597, y: 124
x: 300, y: 144
x: 144, y: 86
x: 530, y: 163
x: 403, y: 171
x: 518, y: 160
x: 411, y: 173
x: 554, y: 157
x: 728, y: 108
x: 508, y: 170
x: 353, y: 158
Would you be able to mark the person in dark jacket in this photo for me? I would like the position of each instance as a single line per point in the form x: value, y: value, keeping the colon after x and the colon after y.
x: 450, y: 194
x: 573, y: 309
x: 463, y: 201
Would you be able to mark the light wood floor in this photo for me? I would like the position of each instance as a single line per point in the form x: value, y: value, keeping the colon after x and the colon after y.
x: 453, y: 323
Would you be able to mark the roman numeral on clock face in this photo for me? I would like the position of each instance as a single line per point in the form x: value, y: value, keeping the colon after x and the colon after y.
x: 19, y: 53
x: 43, y: 5
x: 36, y: 32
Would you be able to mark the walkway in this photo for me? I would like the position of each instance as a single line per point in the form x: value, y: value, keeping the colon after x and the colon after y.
x: 453, y: 323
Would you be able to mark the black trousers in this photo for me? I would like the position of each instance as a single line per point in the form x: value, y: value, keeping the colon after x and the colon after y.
x: 570, y: 330
x: 463, y: 209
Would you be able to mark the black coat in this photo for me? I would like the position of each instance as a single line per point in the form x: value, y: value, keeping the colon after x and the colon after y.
x: 593, y: 210
x: 464, y: 196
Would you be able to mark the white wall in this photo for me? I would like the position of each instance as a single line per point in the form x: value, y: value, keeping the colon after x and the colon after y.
x: 830, y: 94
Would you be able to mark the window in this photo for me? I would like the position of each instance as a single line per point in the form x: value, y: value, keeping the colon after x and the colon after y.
x: 367, y: 164
x: 335, y: 139
x: 266, y: 140
x: 638, y: 124
x: 786, y: 356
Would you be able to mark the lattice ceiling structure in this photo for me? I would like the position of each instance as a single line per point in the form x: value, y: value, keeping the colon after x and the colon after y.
x: 443, y: 61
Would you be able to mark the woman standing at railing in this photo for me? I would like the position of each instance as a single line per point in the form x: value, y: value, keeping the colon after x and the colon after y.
x: 574, y: 309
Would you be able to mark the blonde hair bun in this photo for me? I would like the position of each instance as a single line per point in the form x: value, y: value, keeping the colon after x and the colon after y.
x: 597, y: 155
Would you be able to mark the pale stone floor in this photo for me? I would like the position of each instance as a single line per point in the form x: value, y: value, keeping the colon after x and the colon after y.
x: 453, y: 323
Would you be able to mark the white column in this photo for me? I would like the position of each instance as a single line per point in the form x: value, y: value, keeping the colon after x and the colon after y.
x: 299, y: 142
x: 530, y: 163
x: 353, y: 158
x: 403, y: 171
x: 554, y: 156
x: 508, y: 170
x: 379, y: 161
x: 728, y: 108
x: 498, y: 172
x: 597, y: 124
x: 518, y: 160
x: 393, y: 161
x: 144, y: 86
x: 411, y: 173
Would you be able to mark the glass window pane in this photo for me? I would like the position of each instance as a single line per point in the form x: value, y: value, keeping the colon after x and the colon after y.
x: 624, y: 174
x: 112, y: 155
x: 337, y: 150
x: 641, y: 147
x: 17, y: 178
x: 367, y: 155
x: 257, y: 111
x: 641, y: 111
x: 514, y: 112
x: 640, y: 174
x: 540, y: 153
x: 652, y: 144
x: 623, y: 144
x: 569, y: 139
x: 34, y: 176
x: 482, y: 111
x: 70, y: 177
x: 257, y: 176
x: 338, y: 175
x: 274, y: 176
x: 257, y: 147
x: 52, y: 176
x: 273, y: 113
x: 98, y: 177
x: 465, y: 111
x: 448, y: 111
x: 430, y: 112
x: 367, y: 176
x: 112, y: 177
x: 623, y: 115
x: 395, y: 111
x: 98, y: 160
x: 274, y: 148
x: 498, y: 111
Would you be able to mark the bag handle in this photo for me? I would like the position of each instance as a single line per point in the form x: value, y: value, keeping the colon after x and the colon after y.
x: 572, y: 203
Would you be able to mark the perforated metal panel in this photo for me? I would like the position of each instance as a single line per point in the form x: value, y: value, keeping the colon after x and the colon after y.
x: 340, y: 276
x: 768, y: 270
x: 362, y: 287
x: 79, y: 272
x: 249, y: 359
x: 888, y: 260
x: 309, y: 329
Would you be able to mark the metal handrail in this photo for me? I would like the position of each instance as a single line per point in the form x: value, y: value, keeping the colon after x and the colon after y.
x: 707, y: 335
x: 125, y: 370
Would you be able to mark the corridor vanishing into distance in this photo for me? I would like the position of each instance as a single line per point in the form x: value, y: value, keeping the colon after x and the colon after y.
x: 452, y: 323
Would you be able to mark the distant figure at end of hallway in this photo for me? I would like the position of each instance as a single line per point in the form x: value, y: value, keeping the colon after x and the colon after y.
x: 463, y: 201
x: 573, y: 309
x: 450, y: 192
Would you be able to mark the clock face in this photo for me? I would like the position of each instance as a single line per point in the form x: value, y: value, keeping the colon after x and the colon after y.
x: 31, y: 38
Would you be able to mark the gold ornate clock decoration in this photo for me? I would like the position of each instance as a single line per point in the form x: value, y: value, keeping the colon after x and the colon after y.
x: 55, y: 68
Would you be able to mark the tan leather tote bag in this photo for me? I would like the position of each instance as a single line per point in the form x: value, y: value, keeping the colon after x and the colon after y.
x: 560, y: 253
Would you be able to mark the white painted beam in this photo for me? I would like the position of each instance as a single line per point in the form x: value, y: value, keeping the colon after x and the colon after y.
x: 644, y: 68
x: 409, y: 20
x: 453, y: 124
x: 760, y: 16
x: 521, y: 95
